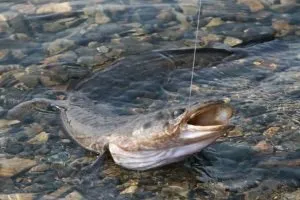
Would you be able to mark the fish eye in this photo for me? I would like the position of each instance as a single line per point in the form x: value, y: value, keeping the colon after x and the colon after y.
x: 178, y: 112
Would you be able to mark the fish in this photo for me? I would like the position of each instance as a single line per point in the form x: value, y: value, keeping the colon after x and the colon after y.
x: 139, y: 111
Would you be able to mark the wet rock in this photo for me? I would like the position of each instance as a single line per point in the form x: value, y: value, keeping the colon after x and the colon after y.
x: 68, y: 57
x: 165, y: 15
x: 61, y: 24
x: 103, y: 49
x: 20, y: 25
x: 215, y: 22
x: 292, y: 195
x: 48, y: 81
x: 86, y: 61
x: 3, y: 142
x: 6, y: 123
x: 210, y: 38
x: 288, y: 2
x: 254, y: 5
x: 28, y: 80
x: 74, y: 196
x: 40, y: 168
x: 54, y: 8
x: 263, y: 146
x: 188, y: 9
x: 130, y: 190
x: 7, y: 16
x: 101, y: 18
x: 3, y: 27
x: 282, y: 27
x: 58, y: 193
x: 41, y: 138
x: 24, y: 8
x: 13, y: 147
x: 4, y: 55
x: 231, y: 41
x: 14, y: 166
x: 270, y: 132
x: 59, y: 46
x: 18, y: 54
x: 18, y: 196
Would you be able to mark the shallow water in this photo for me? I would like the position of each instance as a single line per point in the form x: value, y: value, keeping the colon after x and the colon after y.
x: 47, y: 47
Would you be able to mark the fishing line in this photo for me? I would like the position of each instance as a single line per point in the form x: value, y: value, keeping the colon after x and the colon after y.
x: 195, y: 49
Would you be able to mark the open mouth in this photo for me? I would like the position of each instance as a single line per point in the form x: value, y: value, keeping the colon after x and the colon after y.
x: 207, y: 121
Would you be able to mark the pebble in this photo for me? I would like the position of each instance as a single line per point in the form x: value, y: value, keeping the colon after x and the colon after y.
x: 4, y: 123
x: 270, y: 132
x: 74, y: 196
x: 41, y: 138
x: 292, y: 195
x: 254, y: 5
x: 58, y: 193
x: 101, y: 18
x: 40, y: 168
x: 103, y: 49
x: 231, y: 41
x: 18, y: 196
x: 59, y: 46
x: 14, y: 166
x: 215, y: 22
x: 54, y: 8
x: 263, y: 146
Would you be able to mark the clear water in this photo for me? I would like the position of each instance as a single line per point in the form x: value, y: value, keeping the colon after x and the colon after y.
x: 46, y: 47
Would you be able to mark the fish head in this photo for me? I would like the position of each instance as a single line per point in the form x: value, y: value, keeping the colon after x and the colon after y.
x: 181, y: 132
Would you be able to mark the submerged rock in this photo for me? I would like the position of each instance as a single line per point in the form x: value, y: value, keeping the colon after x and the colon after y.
x: 18, y: 196
x: 14, y: 166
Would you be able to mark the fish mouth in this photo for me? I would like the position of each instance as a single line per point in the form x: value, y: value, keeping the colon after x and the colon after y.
x: 207, y: 121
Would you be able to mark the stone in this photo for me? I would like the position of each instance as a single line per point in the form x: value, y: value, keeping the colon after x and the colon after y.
x: 292, y: 195
x: 263, y: 146
x: 189, y: 9
x: 14, y: 166
x: 48, y: 81
x: 74, y: 196
x: 40, y: 168
x: 18, y: 196
x: 24, y: 8
x: 58, y: 193
x: 69, y: 57
x: 270, y: 132
x: 130, y: 190
x: 41, y: 138
x: 288, y: 2
x: 282, y: 27
x: 4, y: 123
x: 59, y: 46
x: 165, y: 15
x: 4, y: 55
x: 215, y: 22
x: 103, y: 49
x: 231, y: 41
x: 54, y: 8
x: 101, y: 18
x: 254, y: 5
x: 7, y: 16
x: 85, y: 61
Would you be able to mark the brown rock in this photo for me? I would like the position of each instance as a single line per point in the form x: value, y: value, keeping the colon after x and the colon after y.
x: 231, y: 41
x: 282, y: 27
x: 58, y: 193
x: 14, y: 166
x: 292, y: 195
x: 74, y: 196
x: 263, y: 146
x: 254, y: 5
x: 54, y: 8
x: 101, y: 18
x: 40, y: 168
x: 18, y: 196
x: 270, y: 132
x: 6, y: 123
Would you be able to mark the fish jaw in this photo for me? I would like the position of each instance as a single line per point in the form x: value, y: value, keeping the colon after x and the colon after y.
x: 195, y: 130
x: 148, y: 159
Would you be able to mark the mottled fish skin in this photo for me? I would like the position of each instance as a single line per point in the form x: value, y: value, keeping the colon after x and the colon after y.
x: 128, y: 109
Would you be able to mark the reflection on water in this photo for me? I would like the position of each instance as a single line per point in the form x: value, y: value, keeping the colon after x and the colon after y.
x: 46, y: 47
